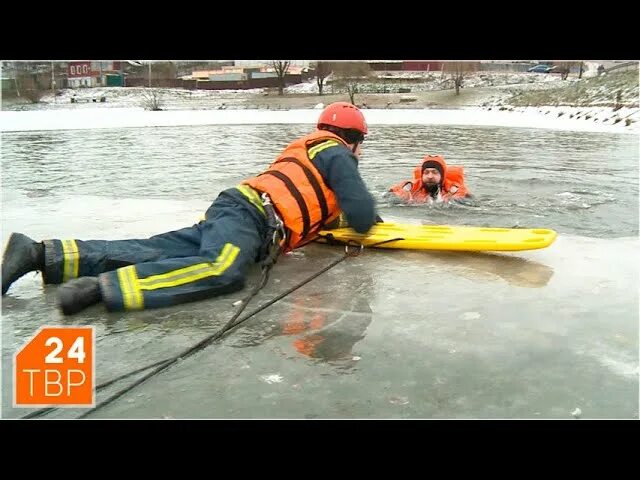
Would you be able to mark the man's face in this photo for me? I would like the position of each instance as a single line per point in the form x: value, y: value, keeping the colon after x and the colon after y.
x: 431, y: 177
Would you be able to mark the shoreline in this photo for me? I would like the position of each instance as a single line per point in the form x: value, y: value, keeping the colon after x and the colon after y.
x: 582, y: 119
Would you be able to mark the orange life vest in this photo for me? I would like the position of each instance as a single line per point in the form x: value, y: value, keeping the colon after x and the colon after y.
x: 297, y: 190
x: 452, y: 185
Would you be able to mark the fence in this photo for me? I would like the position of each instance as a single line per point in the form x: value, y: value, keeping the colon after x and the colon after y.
x: 212, y: 84
x: 505, y: 67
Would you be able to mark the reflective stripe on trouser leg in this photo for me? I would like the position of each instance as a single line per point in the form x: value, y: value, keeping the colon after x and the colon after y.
x: 180, y: 280
x: 230, y: 240
x: 61, y: 261
x: 71, y: 262
x: 68, y: 259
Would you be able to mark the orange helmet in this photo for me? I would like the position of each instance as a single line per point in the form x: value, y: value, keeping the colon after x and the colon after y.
x: 343, y: 115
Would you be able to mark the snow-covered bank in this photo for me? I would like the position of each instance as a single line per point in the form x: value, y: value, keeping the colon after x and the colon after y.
x: 572, y: 118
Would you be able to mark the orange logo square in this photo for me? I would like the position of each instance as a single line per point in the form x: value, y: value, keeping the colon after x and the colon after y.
x: 56, y: 367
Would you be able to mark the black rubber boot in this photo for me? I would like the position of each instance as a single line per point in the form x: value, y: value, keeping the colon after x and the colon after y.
x: 78, y: 294
x: 22, y: 255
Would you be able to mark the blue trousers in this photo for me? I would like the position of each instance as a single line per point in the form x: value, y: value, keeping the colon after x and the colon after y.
x: 197, y: 262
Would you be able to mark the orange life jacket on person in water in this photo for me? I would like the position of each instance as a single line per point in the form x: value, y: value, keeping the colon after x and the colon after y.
x: 297, y: 190
x: 451, y: 186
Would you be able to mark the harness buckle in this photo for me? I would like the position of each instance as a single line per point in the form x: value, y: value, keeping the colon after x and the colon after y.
x: 274, y: 220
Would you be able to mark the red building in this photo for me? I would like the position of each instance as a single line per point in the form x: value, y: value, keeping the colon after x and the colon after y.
x: 421, y: 66
x: 91, y: 74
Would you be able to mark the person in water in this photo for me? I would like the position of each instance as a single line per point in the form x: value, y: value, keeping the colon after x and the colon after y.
x: 433, y: 181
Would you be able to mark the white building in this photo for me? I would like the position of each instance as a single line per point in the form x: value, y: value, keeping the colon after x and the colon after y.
x: 267, y: 63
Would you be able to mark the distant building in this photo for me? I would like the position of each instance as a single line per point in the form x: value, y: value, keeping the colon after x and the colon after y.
x: 94, y: 74
x: 267, y: 63
x: 79, y: 74
x: 404, y: 65
x: 422, y: 66
x: 239, y: 77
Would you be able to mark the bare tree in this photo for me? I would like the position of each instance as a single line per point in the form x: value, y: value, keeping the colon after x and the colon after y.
x: 151, y: 99
x: 564, y: 68
x: 350, y: 75
x: 28, y: 81
x: 163, y: 72
x: 16, y: 70
x: 156, y: 73
x: 618, y: 104
x: 459, y: 70
x: 323, y: 70
x: 281, y: 67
